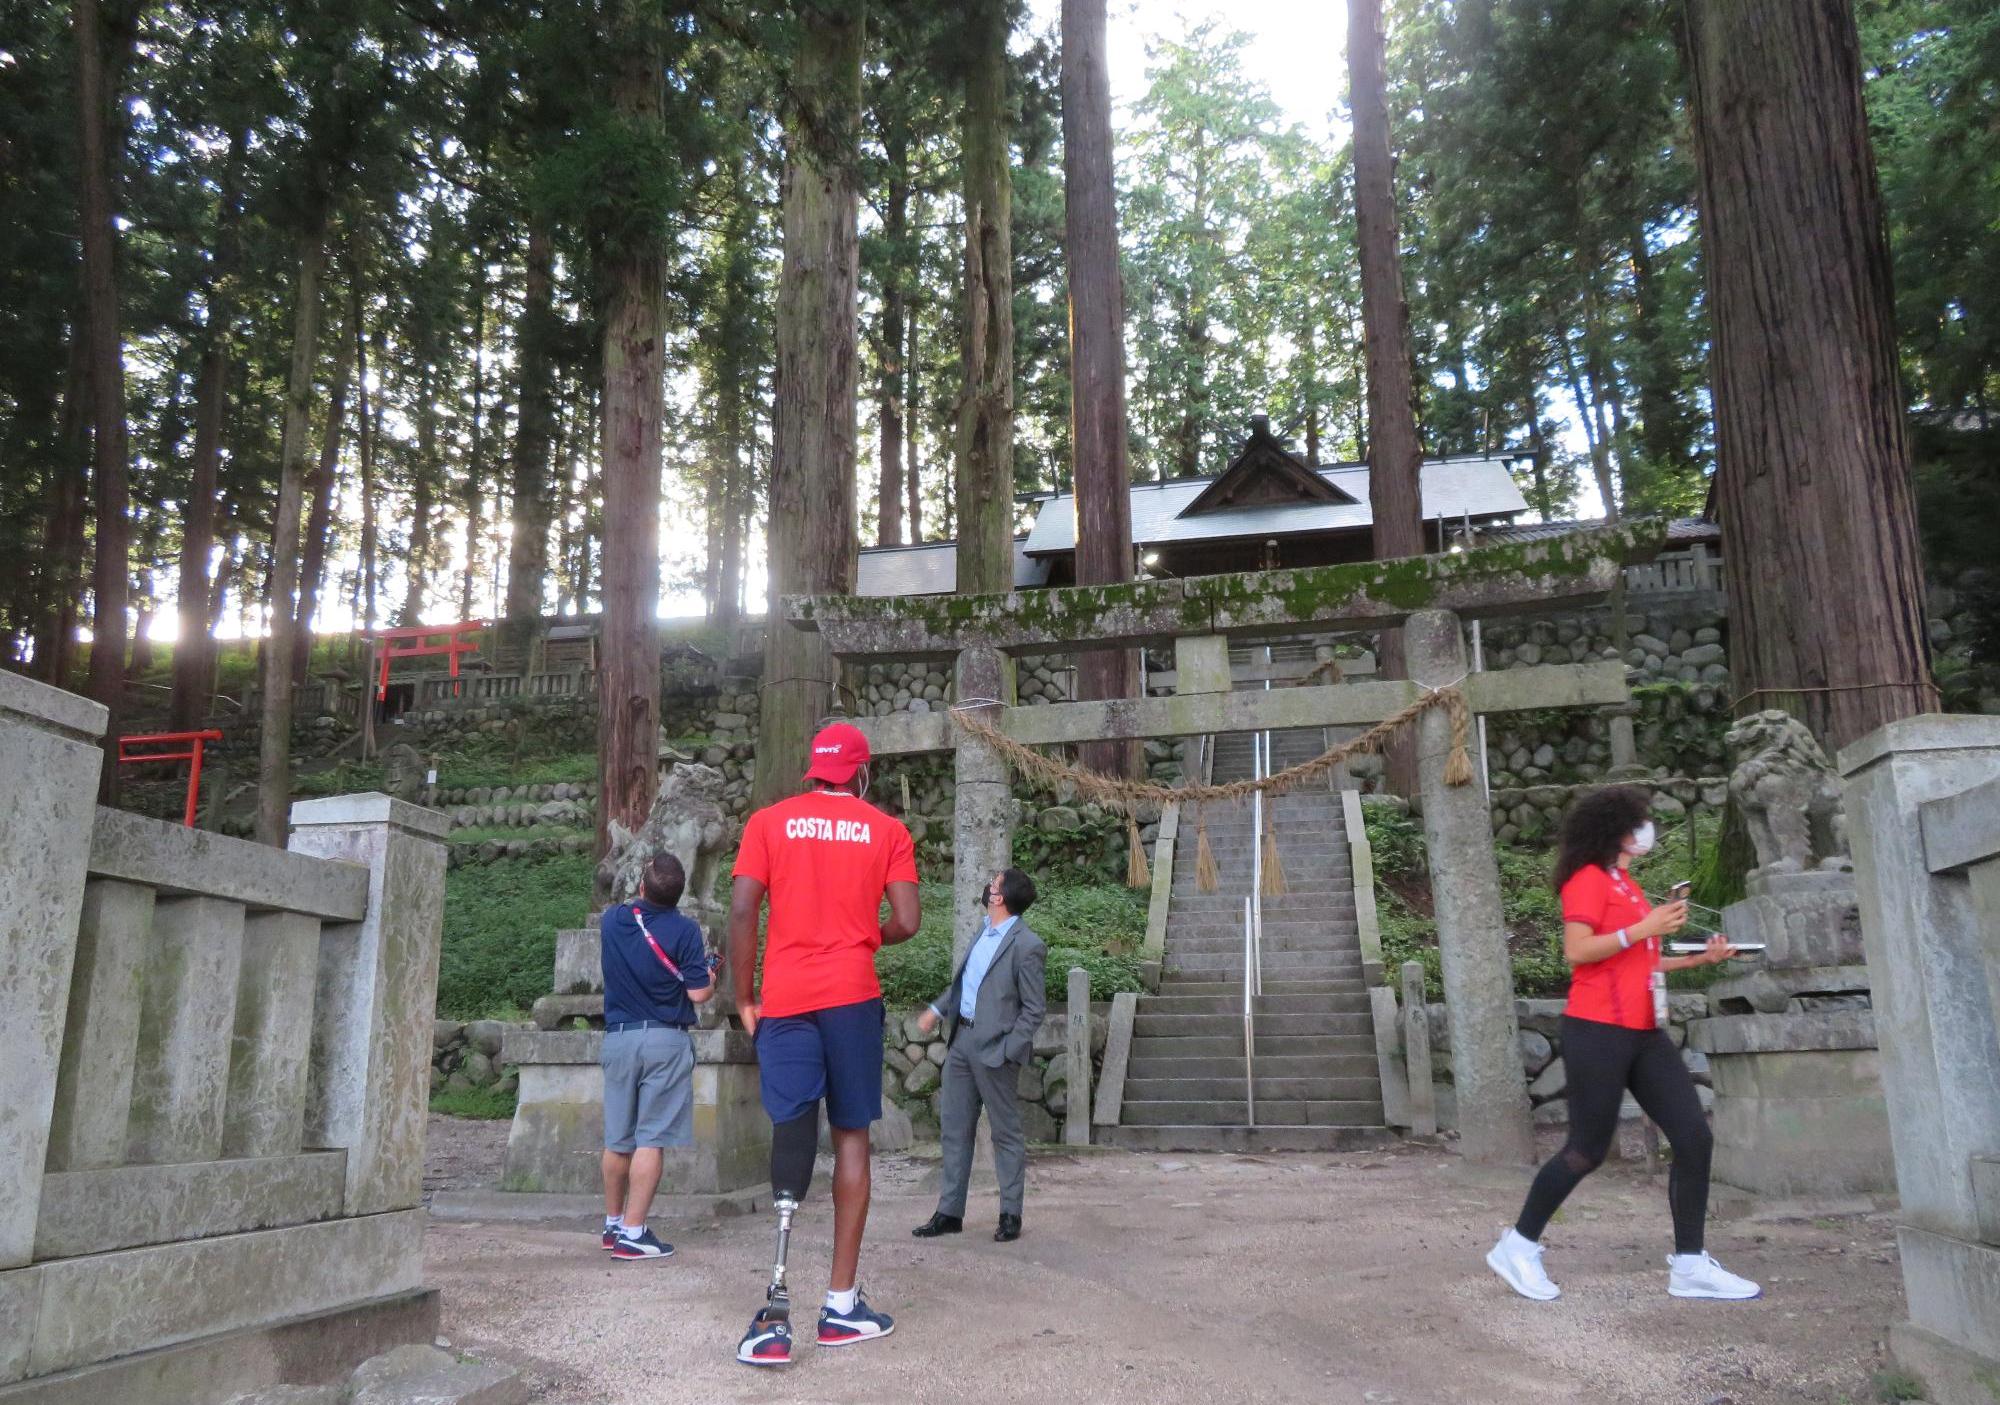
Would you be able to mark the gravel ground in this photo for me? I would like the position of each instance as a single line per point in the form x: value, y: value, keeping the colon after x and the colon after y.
x: 1150, y: 1278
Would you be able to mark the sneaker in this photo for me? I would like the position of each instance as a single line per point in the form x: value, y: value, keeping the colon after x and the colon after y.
x: 646, y: 1246
x: 1699, y: 1276
x: 611, y: 1236
x: 1519, y: 1262
x: 767, y: 1343
x: 846, y: 1328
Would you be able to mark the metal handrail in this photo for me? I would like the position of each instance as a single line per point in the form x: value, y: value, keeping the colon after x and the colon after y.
x: 1249, y: 1027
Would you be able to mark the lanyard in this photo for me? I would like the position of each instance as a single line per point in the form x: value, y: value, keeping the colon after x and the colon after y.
x: 674, y: 970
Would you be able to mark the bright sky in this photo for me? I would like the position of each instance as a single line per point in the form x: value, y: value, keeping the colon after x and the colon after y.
x: 1297, y: 47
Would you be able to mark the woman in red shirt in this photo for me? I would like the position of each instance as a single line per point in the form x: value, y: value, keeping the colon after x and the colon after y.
x: 1614, y: 1039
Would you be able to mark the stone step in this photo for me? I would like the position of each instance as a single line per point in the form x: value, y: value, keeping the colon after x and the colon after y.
x: 1222, y: 1026
x: 1265, y: 1004
x: 1270, y: 1088
x: 1321, y: 936
x: 1357, y: 1038
x: 1354, y: 1112
x: 1273, y: 985
x: 1244, y: 1140
x: 1355, y: 1065
x: 1285, y: 963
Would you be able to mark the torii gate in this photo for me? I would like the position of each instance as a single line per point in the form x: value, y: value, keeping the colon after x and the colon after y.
x: 1427, y: 596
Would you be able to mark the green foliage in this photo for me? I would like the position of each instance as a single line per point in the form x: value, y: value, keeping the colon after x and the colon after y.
x: 500, y: 921
x: 342, y: 778
x: 479, y: 834
x: 485, y: 763
x: 483, y: 1104
x: 1092, y: 927
x: 1894, y: 1384
x: 1093, y: 852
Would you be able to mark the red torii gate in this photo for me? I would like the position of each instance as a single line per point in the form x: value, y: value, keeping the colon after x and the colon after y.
x: 412, y: 642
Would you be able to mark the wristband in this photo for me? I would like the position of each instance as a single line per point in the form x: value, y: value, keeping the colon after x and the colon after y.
x: 1624, y: 940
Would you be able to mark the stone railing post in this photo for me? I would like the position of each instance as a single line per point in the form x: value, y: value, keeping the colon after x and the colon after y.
x: 1937, y: 1029
x: 982, y: 827
x: 1493, y: 1115
x: 1417, y: 1052
x: 368, y: 1074
x: 1076, y: 1040
x: 49, y: 753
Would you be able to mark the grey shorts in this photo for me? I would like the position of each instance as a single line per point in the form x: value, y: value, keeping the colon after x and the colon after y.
x: 648, y: 1089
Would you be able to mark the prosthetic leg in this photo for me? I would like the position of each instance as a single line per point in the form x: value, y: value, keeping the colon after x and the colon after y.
x: 769, y: 1340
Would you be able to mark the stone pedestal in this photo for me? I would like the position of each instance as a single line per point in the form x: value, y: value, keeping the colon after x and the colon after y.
x: 1928, y: 943
x: 1791, y: 1046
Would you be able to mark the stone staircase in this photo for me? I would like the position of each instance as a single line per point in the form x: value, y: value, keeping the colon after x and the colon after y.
x: 1317, y: 1085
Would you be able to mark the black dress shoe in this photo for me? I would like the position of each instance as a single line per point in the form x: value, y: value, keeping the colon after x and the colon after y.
x: 939, y: 1224
x: 1010, y: 1229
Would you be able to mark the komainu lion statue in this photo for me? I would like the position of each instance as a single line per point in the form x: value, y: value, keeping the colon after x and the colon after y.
x: 689, y: 821
x: 1787, y: 793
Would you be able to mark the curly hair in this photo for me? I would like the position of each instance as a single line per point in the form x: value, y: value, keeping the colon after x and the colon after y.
x: 1594, y: 830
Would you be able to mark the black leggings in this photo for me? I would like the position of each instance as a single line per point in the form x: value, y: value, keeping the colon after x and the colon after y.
x: 1602, y: 1061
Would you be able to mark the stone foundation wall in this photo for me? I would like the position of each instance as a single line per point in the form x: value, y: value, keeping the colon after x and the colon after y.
x: 913, y: 1067
x: 467, y: 1056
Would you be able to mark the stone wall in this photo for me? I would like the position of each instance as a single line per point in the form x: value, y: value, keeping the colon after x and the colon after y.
x: 465, y: 1056
x: 1542, y: 1056
x: 913, y: 1066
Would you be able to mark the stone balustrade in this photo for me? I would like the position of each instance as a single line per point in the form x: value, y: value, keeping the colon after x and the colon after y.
x: 218, y: 1065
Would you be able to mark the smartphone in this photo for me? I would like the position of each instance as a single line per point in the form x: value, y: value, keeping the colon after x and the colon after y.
x: 1694, y: 948
x: 1680, y: 890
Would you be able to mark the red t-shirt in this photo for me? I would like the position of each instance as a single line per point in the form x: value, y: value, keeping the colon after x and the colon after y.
x: 1618, y: 989
x: 826, y: 858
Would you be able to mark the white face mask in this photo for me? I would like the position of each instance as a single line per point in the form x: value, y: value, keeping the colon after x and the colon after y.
x: 1641, y: 842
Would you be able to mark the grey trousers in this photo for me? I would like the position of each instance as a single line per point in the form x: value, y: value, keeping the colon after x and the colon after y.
x: 969, y: 1086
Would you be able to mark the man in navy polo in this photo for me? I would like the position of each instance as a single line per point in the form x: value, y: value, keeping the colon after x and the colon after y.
x: 656, y: 971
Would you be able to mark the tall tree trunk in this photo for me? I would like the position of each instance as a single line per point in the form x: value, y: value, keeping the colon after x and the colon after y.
x: 912, y: 474
x: 62, y: 541
x: 812, y: 531
x: 1395, y: 451
x: 319, y: 517
x: 1097, y: 356
x: 889, y: 376
x: 628, y: 690
x: 194, y: 649
x: 422, y: 499
x: 534, y: 430
x: 985, y: 487
x: 368, y: 428
x: 1812, y: 455
x: 110, y: 578
x: 274, y: 753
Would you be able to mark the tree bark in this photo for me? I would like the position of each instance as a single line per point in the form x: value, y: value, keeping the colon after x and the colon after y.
x: 475, y: 460
x: 1812, y: 450
x: 889, y: 378
x: 736, y: 391
x: 534, y: 432
x: 319, y: 517
x: 912, y: 475
x: 1395, y: 450
x: 1097, y: 356
x: 634, y: 361
x: 62, y: 540
x: 194, y: 649
x: 812, y: 530
x: 425, y: 473
x: 985, y: 487
x: 274, y: 752
x: 368, y: 428
x: 110, y: 578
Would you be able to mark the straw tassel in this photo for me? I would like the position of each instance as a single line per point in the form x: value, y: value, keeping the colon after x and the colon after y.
x: 1458, y: 765
x: 1138, y: 873
x: 1274, y: 870
x: 1206, y: 878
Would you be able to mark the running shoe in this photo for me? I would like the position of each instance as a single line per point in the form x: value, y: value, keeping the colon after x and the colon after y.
x: 645, y: 1246
x: 846, y: 1328
x: 611, y: 1236
x: 1699, y: 1276
x: 767, y: 1343
x: 1518, y: 1261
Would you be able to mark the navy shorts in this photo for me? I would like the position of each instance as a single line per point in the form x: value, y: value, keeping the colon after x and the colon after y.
x: 834, y: 1054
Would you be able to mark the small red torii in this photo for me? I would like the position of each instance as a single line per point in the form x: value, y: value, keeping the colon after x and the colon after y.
x: 409, y: 643
x: 193, y: 741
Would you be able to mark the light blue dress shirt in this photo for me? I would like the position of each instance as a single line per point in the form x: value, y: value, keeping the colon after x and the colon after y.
x: 978, y: 962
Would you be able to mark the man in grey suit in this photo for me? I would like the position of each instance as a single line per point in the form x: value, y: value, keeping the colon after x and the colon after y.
x: 991, y: 1011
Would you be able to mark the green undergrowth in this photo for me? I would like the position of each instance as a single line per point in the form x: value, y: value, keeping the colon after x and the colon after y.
x: 1530, y: 909
x: 500, y: 921
x: 1098, y: 928
x: 496, y: 764
x: 479, y: 834
x: 482, y: 1104
x: 341, y: 778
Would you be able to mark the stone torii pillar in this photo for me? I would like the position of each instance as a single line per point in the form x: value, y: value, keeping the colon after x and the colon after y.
x: 982, y: 812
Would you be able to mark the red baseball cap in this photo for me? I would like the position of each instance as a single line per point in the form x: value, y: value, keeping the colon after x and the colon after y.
x: 838, y: 752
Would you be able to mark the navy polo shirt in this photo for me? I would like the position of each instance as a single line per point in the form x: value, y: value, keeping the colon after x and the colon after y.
x: 637, y: 984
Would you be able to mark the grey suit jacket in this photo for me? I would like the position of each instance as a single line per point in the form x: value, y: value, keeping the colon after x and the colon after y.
x: 1012, y: 997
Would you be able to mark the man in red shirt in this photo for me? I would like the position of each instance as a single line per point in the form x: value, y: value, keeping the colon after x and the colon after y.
x: 825, y: 860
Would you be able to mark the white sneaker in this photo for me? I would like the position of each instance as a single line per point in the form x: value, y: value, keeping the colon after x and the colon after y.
x: 1519, y: 1261
x: 1699, y: 1276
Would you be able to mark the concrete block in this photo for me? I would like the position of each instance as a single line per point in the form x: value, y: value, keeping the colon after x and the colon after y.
x: 123, y: 1207
x: 49, y: 754
x: 176, y: 859
x: 20, y: 1305
x: 267, y: 1061
x: 1986, y: 1195
x: 1117, y: 1057
x: 107, y: 1305
x: 1390, y: 1070
x: 94, y: 1087
x: 368, y: 1076
x: 1784, y: 1034
x: 1953, y: 1288
x: 1796, y: 1145
x: 579, y: 962
x: 187, y: 1017
x: 423, y: 1375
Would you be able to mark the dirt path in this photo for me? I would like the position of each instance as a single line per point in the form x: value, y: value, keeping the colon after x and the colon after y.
x: 1148, y: 1278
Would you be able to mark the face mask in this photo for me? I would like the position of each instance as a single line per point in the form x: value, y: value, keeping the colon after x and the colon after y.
x: 1641, y: 842
x: 984, y: 900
